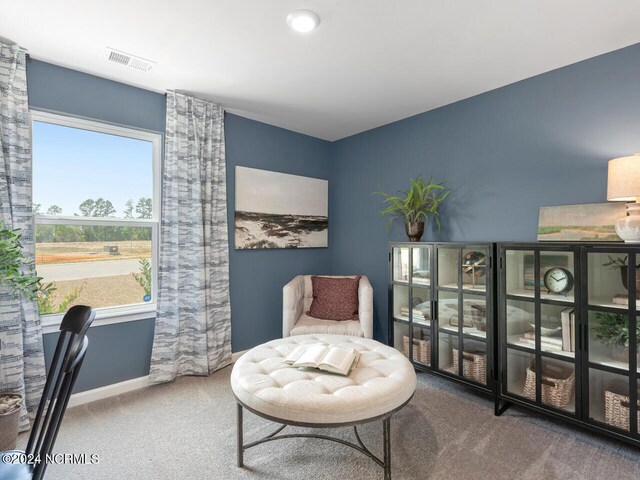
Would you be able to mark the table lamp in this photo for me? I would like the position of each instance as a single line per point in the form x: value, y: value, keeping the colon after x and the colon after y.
x: 624, y: 186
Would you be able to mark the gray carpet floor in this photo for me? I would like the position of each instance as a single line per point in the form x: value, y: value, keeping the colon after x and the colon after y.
x: 186, y: 430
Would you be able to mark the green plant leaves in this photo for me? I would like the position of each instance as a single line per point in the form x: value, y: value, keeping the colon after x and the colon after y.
x: 613, y: 329
x: 419, y: 203
x: 144, y: 278
x: 15, y: 273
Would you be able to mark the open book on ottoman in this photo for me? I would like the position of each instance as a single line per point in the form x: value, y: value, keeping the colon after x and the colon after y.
x: 322, y: 357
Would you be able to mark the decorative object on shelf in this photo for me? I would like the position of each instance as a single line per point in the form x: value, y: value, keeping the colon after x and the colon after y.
x: 591, y: 222
x: 623, y: 185
x: 558, y: 384
x: 479, y: 316
x: 616, y: 405
x: 421, y: 349
x: 277, y: 210
x: 474, y: 264
x: 474, y: 365
x: 548, y: 329
x: 415, y: 206
x: 558, y: 280
x: 620, y: 263
x: 546, y: 262
x: 466, y: 323
x: 613, y: 329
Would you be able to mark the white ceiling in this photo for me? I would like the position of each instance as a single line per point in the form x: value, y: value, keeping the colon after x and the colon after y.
x: 370, y: 62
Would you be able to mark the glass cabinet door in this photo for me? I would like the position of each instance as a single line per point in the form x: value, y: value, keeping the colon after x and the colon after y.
x: 462, y: 310
x: 411, y: 301
x: 400, y: 265
x: 539, y: 327
x: 612, y: 334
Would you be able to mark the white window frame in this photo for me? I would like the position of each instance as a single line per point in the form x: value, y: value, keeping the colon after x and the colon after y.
x: 123, y: 313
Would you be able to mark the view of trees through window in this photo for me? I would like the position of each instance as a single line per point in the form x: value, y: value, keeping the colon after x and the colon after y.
x: 94, y: 224
x: 102, y: 265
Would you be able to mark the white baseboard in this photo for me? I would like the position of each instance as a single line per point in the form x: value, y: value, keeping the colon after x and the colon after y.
x: 119, y: 388
x: 108, y: 391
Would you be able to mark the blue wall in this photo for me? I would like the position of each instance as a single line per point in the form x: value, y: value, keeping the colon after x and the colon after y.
x: 542, y: 141
x: 122, y: 351
x: 257, y: 276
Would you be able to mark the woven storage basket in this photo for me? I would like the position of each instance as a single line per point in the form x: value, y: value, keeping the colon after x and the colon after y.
x: 558, y: 384
x: 616, y: 406
x: 474, y: 365
x: 421, y: 349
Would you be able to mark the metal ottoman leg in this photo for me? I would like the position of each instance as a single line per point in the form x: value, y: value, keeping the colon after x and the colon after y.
x: 386, y: 438
x: 239, y: 438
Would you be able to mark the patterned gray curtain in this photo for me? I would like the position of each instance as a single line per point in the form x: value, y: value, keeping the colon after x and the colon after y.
x: 193, y: 324
x: 21, y: 353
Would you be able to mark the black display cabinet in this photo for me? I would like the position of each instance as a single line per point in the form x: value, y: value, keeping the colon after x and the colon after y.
x: 568, y: 333
x: 441, y: 309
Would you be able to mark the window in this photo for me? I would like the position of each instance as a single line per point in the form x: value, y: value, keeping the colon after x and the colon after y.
x: 96, y: 203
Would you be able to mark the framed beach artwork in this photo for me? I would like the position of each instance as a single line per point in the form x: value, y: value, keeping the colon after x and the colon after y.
x: 592, y: 222
x: 277, y: 210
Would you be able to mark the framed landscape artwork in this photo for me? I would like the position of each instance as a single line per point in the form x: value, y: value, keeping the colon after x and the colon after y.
x: 592, y: 222
x: 277, y: 210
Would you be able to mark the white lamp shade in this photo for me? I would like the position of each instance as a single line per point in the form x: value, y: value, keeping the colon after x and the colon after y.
x: 624, y: 178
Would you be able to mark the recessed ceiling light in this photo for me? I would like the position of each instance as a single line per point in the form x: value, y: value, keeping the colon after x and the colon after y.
x: 303, y: 21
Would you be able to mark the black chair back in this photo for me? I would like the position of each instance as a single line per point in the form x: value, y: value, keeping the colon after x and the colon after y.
x: 60, y: 380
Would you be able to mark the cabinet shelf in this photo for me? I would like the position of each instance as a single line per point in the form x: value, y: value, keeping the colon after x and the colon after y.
x: 467, y: 332
x: 568, y: 412
x: 466, y: 287
x: 513, y: 341
x: 400, y: 318
x: 522, y: 294
x: 415, y: 283
x: 605, y: 302
x: 609, y: 365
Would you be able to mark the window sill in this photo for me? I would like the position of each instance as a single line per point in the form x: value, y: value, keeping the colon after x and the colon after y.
x: 104, y: 316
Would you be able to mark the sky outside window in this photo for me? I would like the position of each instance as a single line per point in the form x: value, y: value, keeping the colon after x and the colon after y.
x: 71, y: 165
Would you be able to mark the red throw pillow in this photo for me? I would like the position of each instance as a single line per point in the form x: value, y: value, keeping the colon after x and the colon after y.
x: 334, y: 298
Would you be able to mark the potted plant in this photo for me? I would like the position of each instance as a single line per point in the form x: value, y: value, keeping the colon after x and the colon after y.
x: 620, y: 263
x: 613, y: 329
x: 17, y: 278
x: 10, y: 405
x: 415, y: 206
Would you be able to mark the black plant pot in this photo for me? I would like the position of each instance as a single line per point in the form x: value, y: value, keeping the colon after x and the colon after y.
x: 414, y: 230
x: 624, y: 272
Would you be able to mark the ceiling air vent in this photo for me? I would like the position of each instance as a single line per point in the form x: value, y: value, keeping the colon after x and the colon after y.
x: 128, y: 60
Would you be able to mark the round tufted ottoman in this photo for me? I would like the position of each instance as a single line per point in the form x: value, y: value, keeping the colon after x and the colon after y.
x: 382, y: 383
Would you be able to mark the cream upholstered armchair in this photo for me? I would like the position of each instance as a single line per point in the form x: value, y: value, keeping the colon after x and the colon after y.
x: 296, y: 301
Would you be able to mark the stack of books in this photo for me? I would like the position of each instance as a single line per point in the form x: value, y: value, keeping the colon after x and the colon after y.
x: 548, y: 343
x: 419, y: 313
x: 563, y: 341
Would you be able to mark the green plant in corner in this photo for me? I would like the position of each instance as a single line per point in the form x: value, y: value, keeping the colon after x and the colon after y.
x: 418, y: 204
x: 145, y: 275
x: 613, y: 329
x: 16, y: 273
